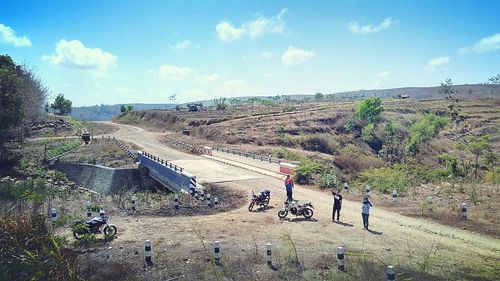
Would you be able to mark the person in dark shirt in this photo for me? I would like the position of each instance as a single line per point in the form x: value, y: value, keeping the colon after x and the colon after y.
x: 289, y: 188
x: 337, y: 204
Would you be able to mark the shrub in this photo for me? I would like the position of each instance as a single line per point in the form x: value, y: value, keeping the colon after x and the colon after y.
x: 424, y: 130
x: 307, y: 171
x: 386, y: 179
x: 328, y: 180
x: 280, y: 130
x: 369, y: 110
x: 367, y: 133
x: 322, y: 143
x: 493, y: 176
x: 284, y: 153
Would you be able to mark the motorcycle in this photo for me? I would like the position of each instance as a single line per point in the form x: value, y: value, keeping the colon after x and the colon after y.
x: 296, y: 208
x: 94, y: 226
x: 262, y: 199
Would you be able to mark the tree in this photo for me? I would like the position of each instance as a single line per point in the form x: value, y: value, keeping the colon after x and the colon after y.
x: 173, y: 97
x: 62, y: 105
x: 130, y: 108
x: 22, y: 96
x: 495, y: 79
x: 369, y: 110
x: 123, y: 108
x: 220, y: 103
x: 477, y: 146
x: 447, y: 89
x: 424, y: 130
x: 318, y: 96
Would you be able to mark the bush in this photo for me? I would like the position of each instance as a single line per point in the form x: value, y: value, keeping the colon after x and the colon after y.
x: 307, y: 171
x: 322, y: 143
x: 369, y: 110
x: 328, y: 180
x: 424, y: 130
x: 386, y: 179
x: 284, y: 153
x: 491, y: 177
x: 367, y: 133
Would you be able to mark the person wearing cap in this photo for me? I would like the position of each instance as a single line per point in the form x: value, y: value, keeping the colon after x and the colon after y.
x: 289, y: 188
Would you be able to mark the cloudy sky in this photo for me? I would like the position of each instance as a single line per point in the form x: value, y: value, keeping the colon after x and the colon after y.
x: 111, y: 51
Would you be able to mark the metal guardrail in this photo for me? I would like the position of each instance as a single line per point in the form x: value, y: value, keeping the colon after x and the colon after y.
x: 162, y: 161
x: 130, y: 154
x: 249, y: 155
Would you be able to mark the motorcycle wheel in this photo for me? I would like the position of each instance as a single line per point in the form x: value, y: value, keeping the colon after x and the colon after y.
x: 282, y: 214
x: 110, y: 230
x: 78, y: 234
x: 308, y: 213
x: 266, y: 202
x: 250, y: 207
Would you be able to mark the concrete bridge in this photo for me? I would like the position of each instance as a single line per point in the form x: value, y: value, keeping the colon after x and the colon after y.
x: 175, y: 178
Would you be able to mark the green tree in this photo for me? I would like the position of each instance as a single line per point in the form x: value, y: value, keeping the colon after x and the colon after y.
x: 369, y: 110
x: 367, y: 133
x: 130, y: 108
x: 424, y: 130
x: 62, y: 105
x: 447, y: 89
x: 22, y: 96
x: 123, y: 109
x: 318, y: 96
x: 477, y: 146
x: 495, y: 79
x: 220, y: 103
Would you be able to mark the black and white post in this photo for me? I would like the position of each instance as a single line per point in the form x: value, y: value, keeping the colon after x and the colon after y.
x: 148, y: 252
x: 394, y: 196
x: 269, y: 254
x: 134, y: 198
x: 463, y: 211
x: 429, y: 203
x: 89, y: 213
x: 217, y: 252
x: 102, y: 213
x: 391, y: 273
x: 216, y: 201
x: 209, y: 200
x: 340, y: 258
x: 202, y: 195
x: 176, y: 202
x: 53, y: 215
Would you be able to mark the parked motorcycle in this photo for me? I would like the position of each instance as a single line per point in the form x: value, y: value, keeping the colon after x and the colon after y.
x: 296, y: 208
x: 94, y: 226
x: 261, y: 199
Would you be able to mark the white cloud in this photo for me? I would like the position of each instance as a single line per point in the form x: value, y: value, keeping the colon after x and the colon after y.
x: 173, y: 72
x: 266, y: 55
x: 269, y: 75
x: 233, y: 84
x: 74, y: 54
x: 294, y: 56
x: 207, y: 78
x: 383, y: 74
x: 435, y: 63
x: 256, y: 28
x: 227, y: 32
x: 264, y: 25
x: 8, y: 36
x: 485, y: 45
x: 355, y: 28
x: 181, y: 45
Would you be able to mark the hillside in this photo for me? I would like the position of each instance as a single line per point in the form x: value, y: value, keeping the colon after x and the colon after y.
x: 474, y: 91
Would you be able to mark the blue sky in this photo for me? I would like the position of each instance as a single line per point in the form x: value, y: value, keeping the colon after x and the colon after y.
x: 106, y: 52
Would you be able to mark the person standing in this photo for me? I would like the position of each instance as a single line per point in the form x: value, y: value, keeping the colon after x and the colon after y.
x: 289, y: 188
x: 365, y: 212
x: 337, y: 204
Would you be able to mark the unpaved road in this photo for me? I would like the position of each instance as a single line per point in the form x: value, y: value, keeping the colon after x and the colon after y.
x: 394, y: 238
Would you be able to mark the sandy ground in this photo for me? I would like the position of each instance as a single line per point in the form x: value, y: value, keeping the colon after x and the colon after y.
x: 393, y: 238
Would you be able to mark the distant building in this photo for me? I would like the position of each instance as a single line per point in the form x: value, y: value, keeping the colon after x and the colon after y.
x: 403, y: 96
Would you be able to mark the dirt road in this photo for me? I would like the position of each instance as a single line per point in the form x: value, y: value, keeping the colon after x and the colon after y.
x: 394, y: 238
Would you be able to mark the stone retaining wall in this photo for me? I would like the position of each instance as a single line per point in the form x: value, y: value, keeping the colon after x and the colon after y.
x: 99, y: 178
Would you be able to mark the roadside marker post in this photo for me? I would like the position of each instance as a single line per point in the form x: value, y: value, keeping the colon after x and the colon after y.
x: 269, y: 256
x: 89, y: 213
x: 340, y: 258
x: 134, y: 198
x: 217, y: 252
x: 391, y: 273
x: 394, y: 196
x: 430, y: 202
x: 148, y: 252
x: 176, y: 202
x: 102, y: 213
x: 464, y: 211
x: 216, y: 202
x: 53, y: 215
x: 209, y: 200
